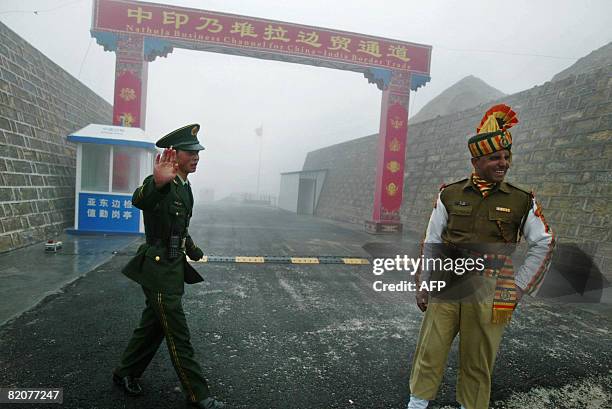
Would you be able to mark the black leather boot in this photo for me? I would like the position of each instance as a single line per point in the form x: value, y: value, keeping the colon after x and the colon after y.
x: 129, y: 384
x: 208, y: 403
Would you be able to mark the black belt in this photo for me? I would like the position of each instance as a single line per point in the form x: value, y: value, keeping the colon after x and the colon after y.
x: 492, y: 261
x: 154, y: 241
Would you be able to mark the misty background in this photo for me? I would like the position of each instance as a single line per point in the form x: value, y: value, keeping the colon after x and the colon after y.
x: 512, y: 46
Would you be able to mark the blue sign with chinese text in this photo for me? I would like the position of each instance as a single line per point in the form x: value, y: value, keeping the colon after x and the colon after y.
x: 108, y: 213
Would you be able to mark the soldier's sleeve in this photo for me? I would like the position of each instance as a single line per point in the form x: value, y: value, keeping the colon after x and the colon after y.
x: 435, y: 228
x: 541, y: 242
x: 193, y: 251
x: 147, y: 195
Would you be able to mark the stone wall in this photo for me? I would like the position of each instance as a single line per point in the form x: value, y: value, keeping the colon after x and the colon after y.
x: 40, y: 104
x: 562, y: 151
x: 348, y: 189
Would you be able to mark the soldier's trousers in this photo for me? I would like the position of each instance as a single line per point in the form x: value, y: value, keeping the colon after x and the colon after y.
x: 479, y: 341
x: 163, y: 317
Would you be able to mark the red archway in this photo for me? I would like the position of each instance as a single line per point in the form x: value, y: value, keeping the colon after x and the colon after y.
x: 139, y: 32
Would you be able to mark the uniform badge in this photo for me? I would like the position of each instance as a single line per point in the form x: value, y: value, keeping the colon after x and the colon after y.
x: 503, y: 209
x: 462, y: 203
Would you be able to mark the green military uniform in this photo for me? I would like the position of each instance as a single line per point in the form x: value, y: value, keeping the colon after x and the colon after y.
x: 163, y: 210
x: 167, y: 212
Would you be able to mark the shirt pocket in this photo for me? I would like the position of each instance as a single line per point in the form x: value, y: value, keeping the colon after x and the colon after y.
x: 460, y: 218
x: 156, y: 262
x: 177, y: 210
x: 156, y: 255
x: 504, y: 226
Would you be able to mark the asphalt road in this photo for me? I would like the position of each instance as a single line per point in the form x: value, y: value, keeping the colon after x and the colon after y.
x: 291, y: 336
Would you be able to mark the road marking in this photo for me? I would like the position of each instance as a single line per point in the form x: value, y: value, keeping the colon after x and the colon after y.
x: 283, y: 260
x: 355, y: 261
x: 305, y: 260
x: 248, y: 259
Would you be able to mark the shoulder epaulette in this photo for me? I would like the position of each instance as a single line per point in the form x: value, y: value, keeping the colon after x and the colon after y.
x: 522, y: 189
x: 445, y: 185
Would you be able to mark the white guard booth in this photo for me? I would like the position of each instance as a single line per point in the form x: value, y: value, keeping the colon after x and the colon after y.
x: 111, y: 163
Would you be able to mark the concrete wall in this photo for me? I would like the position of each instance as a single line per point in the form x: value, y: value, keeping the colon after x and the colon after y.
x: 289, y: 189
x: 40, y: 104
x: 348, y: 190
x: 562, y: 150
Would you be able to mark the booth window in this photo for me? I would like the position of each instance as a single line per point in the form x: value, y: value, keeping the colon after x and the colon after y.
x: 95, y: 167
x: 126, y: 169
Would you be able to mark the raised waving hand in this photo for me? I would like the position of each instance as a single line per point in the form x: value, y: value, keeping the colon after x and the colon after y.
x: 165, y: 168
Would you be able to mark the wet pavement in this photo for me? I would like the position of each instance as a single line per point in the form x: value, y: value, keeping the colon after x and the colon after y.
x: 30, y: 274
x: 292, y: 336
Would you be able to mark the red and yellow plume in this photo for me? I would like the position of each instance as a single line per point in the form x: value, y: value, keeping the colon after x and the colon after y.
x: 492, y: 134
x: 498, y: 117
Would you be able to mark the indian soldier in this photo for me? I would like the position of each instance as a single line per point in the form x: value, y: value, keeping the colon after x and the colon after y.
x: 481, y: 216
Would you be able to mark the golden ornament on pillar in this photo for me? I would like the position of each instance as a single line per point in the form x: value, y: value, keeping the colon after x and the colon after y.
x: 127, y: 94
x: 393, y: 166
x: 394, y: 145
x: 396, y: 122
x: 127, y: 119
x: 391, y: 189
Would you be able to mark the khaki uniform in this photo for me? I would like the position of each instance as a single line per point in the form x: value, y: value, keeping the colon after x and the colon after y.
x: 462, y: 217
x: 474, y: 219
x: 166, y: 210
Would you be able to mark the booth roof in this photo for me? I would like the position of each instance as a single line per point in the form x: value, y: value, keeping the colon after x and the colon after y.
x: 112, y: 135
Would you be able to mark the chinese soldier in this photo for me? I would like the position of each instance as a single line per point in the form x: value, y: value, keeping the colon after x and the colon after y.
x: 479, y: 217
x: 160, y: 267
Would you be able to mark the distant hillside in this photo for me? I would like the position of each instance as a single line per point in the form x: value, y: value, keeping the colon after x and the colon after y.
x: 599, y: 58
x: 467, y: 93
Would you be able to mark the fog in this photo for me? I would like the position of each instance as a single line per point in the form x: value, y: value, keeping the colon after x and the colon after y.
x: 510, y: 45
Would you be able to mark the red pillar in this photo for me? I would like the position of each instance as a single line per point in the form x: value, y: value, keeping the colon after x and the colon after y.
x: 130, y: 100
x: 391, y: 156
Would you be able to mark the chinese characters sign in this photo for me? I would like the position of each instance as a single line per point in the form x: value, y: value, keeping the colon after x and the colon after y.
x: 106, y: 212
x: 179, y: 25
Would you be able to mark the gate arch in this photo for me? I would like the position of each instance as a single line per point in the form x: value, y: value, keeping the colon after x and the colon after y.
x: 139, y: 32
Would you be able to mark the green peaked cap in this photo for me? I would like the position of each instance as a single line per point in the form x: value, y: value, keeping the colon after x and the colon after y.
x: 185, y: 139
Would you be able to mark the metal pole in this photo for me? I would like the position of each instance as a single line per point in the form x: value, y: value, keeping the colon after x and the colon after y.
x: 259, y: 165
